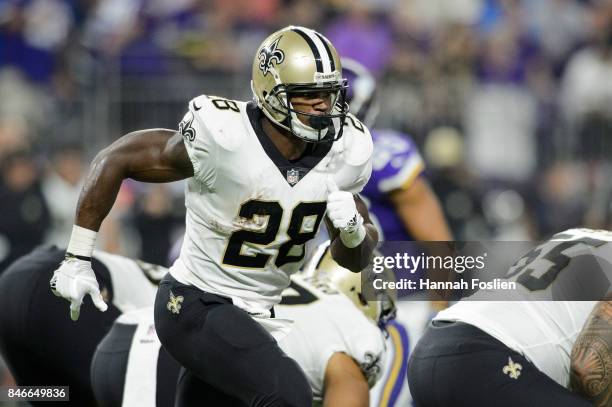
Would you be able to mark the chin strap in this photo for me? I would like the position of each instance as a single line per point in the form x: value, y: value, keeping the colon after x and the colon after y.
x: 319, y: 123
x: 306, y: 132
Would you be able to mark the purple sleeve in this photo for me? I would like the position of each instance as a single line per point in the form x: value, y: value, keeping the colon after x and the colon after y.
x: 396, y: 162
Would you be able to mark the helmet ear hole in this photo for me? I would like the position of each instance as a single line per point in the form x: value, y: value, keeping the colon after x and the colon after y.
x: 282, y: 111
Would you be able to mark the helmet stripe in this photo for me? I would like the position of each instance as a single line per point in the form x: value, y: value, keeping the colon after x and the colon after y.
x: 313, y: 47
x: 328, y: 50
x: 322, y: 51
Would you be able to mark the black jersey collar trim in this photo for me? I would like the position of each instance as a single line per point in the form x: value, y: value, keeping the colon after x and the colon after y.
x: 292, y: 171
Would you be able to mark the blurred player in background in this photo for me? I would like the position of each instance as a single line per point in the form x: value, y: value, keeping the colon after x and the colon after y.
x: 43, y: 347
x: 400, y: 200
x: 517, y: 352
x: 404, y: 208
x: 262, y: 176
x: 336, y: 339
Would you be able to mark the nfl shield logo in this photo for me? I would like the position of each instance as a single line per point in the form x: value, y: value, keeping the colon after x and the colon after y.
x: 293, y: 176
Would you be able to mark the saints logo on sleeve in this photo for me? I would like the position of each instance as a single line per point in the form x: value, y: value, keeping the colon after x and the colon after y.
x: 185, y: 127
x: 370, y: 366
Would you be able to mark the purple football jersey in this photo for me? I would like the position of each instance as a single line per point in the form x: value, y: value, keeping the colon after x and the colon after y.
x: 396, y: 163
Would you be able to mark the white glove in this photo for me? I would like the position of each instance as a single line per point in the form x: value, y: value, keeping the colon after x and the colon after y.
x: 342, y: 211
x: 73, y: 280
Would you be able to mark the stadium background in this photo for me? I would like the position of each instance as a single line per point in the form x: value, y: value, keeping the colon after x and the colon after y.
x: 510, y: 102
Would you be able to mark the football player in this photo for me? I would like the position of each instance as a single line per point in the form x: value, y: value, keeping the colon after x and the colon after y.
x: 509, y: 353
x: 592, y: 357
x: 43, y: 347
x: 262, y: 176
x: 335, y: 339
x: 339, y: 348
x: 398, y: 195
x: 403, y: 207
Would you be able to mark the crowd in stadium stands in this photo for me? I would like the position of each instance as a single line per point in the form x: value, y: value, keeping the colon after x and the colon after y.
x: 509, y: 100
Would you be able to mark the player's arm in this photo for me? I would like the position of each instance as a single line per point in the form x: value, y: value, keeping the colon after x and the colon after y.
x: 420, y: 212
x: 591, y: 359
x: 345, y: 384
x: 155, y: 155
x: 353, y: 236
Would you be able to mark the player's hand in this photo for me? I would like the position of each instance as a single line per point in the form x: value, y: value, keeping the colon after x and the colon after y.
x: 73, y: 280
x: 342, y: 212
x: 341, y: 208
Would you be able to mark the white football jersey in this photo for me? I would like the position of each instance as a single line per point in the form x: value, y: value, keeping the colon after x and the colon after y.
x: 140, y: 385
x: 249, y: 210
x: 543, y: 330
x: 134, y: 281
x: 326, y: 322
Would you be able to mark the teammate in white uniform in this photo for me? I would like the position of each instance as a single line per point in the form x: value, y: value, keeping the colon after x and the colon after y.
x: 41, y: 345
x: 340, y: 349
x: 516, y: 352
x: 130, y: 367
x: 261, y: 178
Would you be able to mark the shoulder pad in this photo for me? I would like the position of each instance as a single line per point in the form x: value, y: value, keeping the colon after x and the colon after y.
x: 222, y: 117
x: 392, y: 135
x: 356, y: 142
x: 581, y: 233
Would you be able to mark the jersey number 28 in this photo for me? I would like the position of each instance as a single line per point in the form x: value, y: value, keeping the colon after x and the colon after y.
x: 298, y: 235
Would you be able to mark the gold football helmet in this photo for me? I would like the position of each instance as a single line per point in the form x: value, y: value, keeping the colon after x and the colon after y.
x: 381, y: 310
x: 298, y: 61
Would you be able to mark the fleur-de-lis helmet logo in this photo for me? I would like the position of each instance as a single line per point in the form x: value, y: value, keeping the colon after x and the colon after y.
x: 270, y: 55
x: 174, y: 304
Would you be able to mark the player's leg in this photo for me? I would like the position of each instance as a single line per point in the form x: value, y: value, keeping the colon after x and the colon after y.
x: 458, y: 365
x: 225, y: 348
x: 193, y: 392
x: 120, y: 352
x: 392, y: 388
x: 168, y: 371
x: 485, y: 383
x: 109, y: 365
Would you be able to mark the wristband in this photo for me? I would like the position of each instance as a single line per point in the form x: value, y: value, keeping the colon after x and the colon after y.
x: 82, y: 243
x: 354, y: 233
